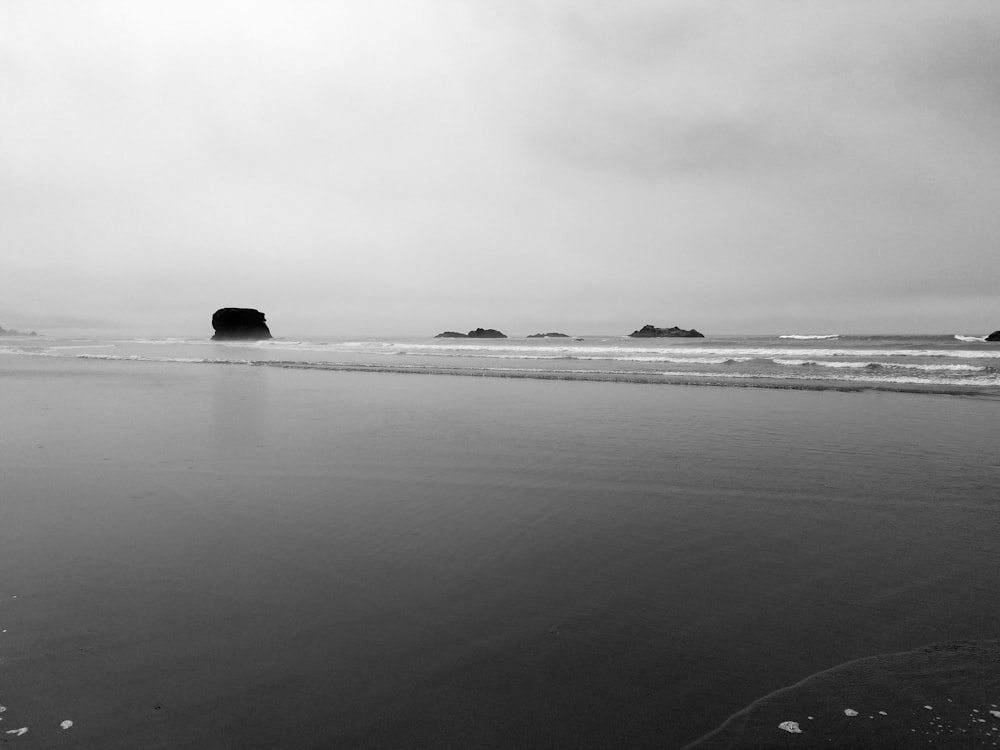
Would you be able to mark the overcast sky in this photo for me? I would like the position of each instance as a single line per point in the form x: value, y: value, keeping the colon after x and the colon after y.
x: 411, y: 166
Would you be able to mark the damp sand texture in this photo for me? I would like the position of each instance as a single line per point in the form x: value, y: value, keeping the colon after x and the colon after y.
x: 246, y: 557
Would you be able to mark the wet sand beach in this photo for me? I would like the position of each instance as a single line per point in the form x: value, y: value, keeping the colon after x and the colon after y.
x: 239, y: 557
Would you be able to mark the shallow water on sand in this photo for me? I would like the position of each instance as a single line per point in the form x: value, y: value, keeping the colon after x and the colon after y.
x: 251, y: 557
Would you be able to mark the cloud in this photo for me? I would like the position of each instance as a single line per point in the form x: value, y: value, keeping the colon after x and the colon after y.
x: 517, y: 158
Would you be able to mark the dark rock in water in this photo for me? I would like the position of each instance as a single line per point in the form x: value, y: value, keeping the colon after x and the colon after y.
x: 235, y: 323
x: 652, y: 332
x: 479, y: 333
x: 486, y: 333
x: 995, y: 336
x: 550, y: 335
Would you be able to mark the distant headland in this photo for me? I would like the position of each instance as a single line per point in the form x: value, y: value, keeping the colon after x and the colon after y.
x: 995, y: 336
x: 12, y: 332
x: 652, y: 332
x: 551, y: 335
x: 479, y: 333
x: 239, y: 323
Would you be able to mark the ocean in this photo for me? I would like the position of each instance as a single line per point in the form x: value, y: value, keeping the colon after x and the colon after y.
x: 934, y: 364
x: 299, y: 544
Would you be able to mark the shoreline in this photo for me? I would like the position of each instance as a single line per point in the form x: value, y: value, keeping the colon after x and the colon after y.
x: 710, y: 381
x: 938, y: 691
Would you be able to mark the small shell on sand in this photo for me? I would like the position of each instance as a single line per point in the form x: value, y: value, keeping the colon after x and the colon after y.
x: 790, y: 726
x: 850, y: 712
x: 66, y: 724
x: 18, y: 732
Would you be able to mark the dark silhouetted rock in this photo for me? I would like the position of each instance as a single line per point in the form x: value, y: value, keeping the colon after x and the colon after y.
x: 548, y: 336
x: 479, y: 333
x: 486, y: 333
x: 995, y: 336
x: 652, y: 332
x: 236, y: 323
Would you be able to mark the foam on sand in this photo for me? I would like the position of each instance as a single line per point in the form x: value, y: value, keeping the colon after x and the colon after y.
x: 941, y: 696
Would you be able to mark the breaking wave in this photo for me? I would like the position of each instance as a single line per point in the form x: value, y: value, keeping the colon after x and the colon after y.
x: 805, y: 336
x: 939, y: 364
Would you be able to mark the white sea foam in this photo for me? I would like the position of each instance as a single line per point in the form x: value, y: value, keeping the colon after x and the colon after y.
x: 67, y: 347
x: 651, y: 353
x: 960, y: 337
x: 161, y: 341
x: 141, y: 358
x: 874, y: 365
x: 614, y: 357
x: 928, y: 361
x: 810, y: 336
x: 835, y: 365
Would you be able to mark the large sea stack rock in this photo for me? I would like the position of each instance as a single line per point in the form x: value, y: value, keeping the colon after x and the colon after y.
x: 486, y: 333
x: 995, y: 336
x: 652, y: 332
x: 239, y: 323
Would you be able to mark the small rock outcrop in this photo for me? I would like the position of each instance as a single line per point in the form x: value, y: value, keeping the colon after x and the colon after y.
x: 551, y: 335
x: 995, y: 336
x: 479, y: 333
x: 486, y: 333
x: 239, y: 323
x: 652, y: 332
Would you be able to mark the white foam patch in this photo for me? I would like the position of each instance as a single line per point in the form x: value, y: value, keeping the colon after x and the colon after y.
x: 790, y: 726
x: 805, y: 336
x: 66, y: 724
x: 850, y: 712
x: 18, y: 732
